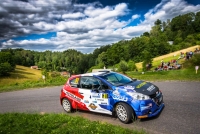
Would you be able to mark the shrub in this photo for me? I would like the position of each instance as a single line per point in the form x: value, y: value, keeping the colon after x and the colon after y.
x: 123, y: 66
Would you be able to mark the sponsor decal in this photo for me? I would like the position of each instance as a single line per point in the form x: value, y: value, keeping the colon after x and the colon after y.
x: 86, y: 101
x: 120, y: 98
x: 72, y: 96
x: 77, y: 80
x: 152, y: 87
x: 105, y: 96
x: 99, y: 99
x: 130, y: 90
x: 94, y: 101
x: 96, y: 96
x: 141, y: 84
x: 93, y: 106
x: 104, y: 103
x: 116, y: 92
x: 149, y: 106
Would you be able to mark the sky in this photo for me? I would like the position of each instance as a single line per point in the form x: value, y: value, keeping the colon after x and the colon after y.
x: 83, y: 25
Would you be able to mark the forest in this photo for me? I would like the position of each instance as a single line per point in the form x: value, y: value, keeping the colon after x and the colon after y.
x: 182, y: 30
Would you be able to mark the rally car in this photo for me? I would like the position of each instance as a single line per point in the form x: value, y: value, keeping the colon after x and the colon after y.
x: 112, y: 93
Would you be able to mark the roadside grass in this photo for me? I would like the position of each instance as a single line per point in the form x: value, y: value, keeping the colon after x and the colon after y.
x: 171, y: 75
x: 57, y: 81
x: 23, y: 123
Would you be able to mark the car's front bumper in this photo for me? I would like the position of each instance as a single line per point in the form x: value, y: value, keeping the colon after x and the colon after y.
x: 150, y: 108
x: 151, y: 114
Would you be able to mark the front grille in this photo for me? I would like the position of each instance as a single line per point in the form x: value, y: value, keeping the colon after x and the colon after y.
x: 155, y: 94
x: 155, y: 97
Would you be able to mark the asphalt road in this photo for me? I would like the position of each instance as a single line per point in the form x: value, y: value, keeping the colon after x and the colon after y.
x: 181, y: 114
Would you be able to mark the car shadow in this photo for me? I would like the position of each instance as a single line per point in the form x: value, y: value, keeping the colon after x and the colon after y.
x: 92, y: 113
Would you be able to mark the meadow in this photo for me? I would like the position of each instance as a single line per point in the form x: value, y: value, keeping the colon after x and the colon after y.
x: 25, y: 77
x: 168, y: 57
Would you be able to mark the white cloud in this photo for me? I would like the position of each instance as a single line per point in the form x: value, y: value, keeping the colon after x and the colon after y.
x: 136, y: 16
x: 80, y: 26
x: 73, y: 15
x: 168, y: 10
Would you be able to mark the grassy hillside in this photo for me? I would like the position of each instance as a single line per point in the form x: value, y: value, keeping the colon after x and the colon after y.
x: 20, y: 75
x: 168, y: 57
x: 187, y: 71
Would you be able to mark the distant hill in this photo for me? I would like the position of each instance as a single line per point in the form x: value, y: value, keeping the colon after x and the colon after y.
x: 170, y: 56
x: 20, y: 75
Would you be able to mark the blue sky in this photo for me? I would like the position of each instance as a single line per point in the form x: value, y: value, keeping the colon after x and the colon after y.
x: 84, y: 25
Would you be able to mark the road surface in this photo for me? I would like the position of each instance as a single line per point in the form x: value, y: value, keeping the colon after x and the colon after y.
x: 181, y: 114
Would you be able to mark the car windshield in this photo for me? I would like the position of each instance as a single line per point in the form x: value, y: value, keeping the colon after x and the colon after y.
x: 116, y: 79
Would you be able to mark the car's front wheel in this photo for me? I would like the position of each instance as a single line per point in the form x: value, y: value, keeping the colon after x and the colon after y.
x: 124, y: 112
x: 66, y: 105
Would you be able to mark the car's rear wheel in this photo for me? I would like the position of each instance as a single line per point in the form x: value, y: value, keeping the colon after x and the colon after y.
x: 66, y: 105
x: 124, y: 112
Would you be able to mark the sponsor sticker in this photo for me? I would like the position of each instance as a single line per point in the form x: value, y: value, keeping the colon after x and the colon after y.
x: 121, y: 98
x: 99, y: 99
x: 105, y: 96
x: 104, y: 103
x: 72, y: 96
x: 93, y: 106
x: 94, y: 101
x: 86, y: 101
x: 141, y: 84
x: 77, y: 80
x: 96, y: 96
x: 152, y: 87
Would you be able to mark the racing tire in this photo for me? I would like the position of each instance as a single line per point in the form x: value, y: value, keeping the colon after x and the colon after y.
x: 124, y: 113
x: 66, y: 105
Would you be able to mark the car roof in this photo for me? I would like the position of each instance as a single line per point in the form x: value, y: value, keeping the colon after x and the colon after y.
x: 94, y: 73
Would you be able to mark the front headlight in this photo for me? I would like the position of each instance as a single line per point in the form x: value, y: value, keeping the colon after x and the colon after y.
x: 139, y: 96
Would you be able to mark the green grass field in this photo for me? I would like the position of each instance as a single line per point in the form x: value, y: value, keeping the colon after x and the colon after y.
x: 23, y: 123
x: 20, y: 75
x: 25, y: 77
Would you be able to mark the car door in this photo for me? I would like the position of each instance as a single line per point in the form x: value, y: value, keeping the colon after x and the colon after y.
x: 95, y: 94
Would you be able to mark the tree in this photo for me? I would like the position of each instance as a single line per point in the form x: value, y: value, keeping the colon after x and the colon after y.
x: 5, y: 68
x: 131, y: 65
x: 196, y: 22
x: 123, y: 66
x: 147, y: 60
x: 7, y: 63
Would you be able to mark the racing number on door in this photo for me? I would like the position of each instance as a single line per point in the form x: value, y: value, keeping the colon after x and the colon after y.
x: 77, y: 80
x: 105, y: 96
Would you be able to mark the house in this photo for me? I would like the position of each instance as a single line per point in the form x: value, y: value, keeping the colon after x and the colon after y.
x: 171, y: 42
x: 34, y: 67
x: 64, y: 73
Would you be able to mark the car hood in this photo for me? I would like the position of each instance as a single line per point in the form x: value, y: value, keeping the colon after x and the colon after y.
x: 142, y: 87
